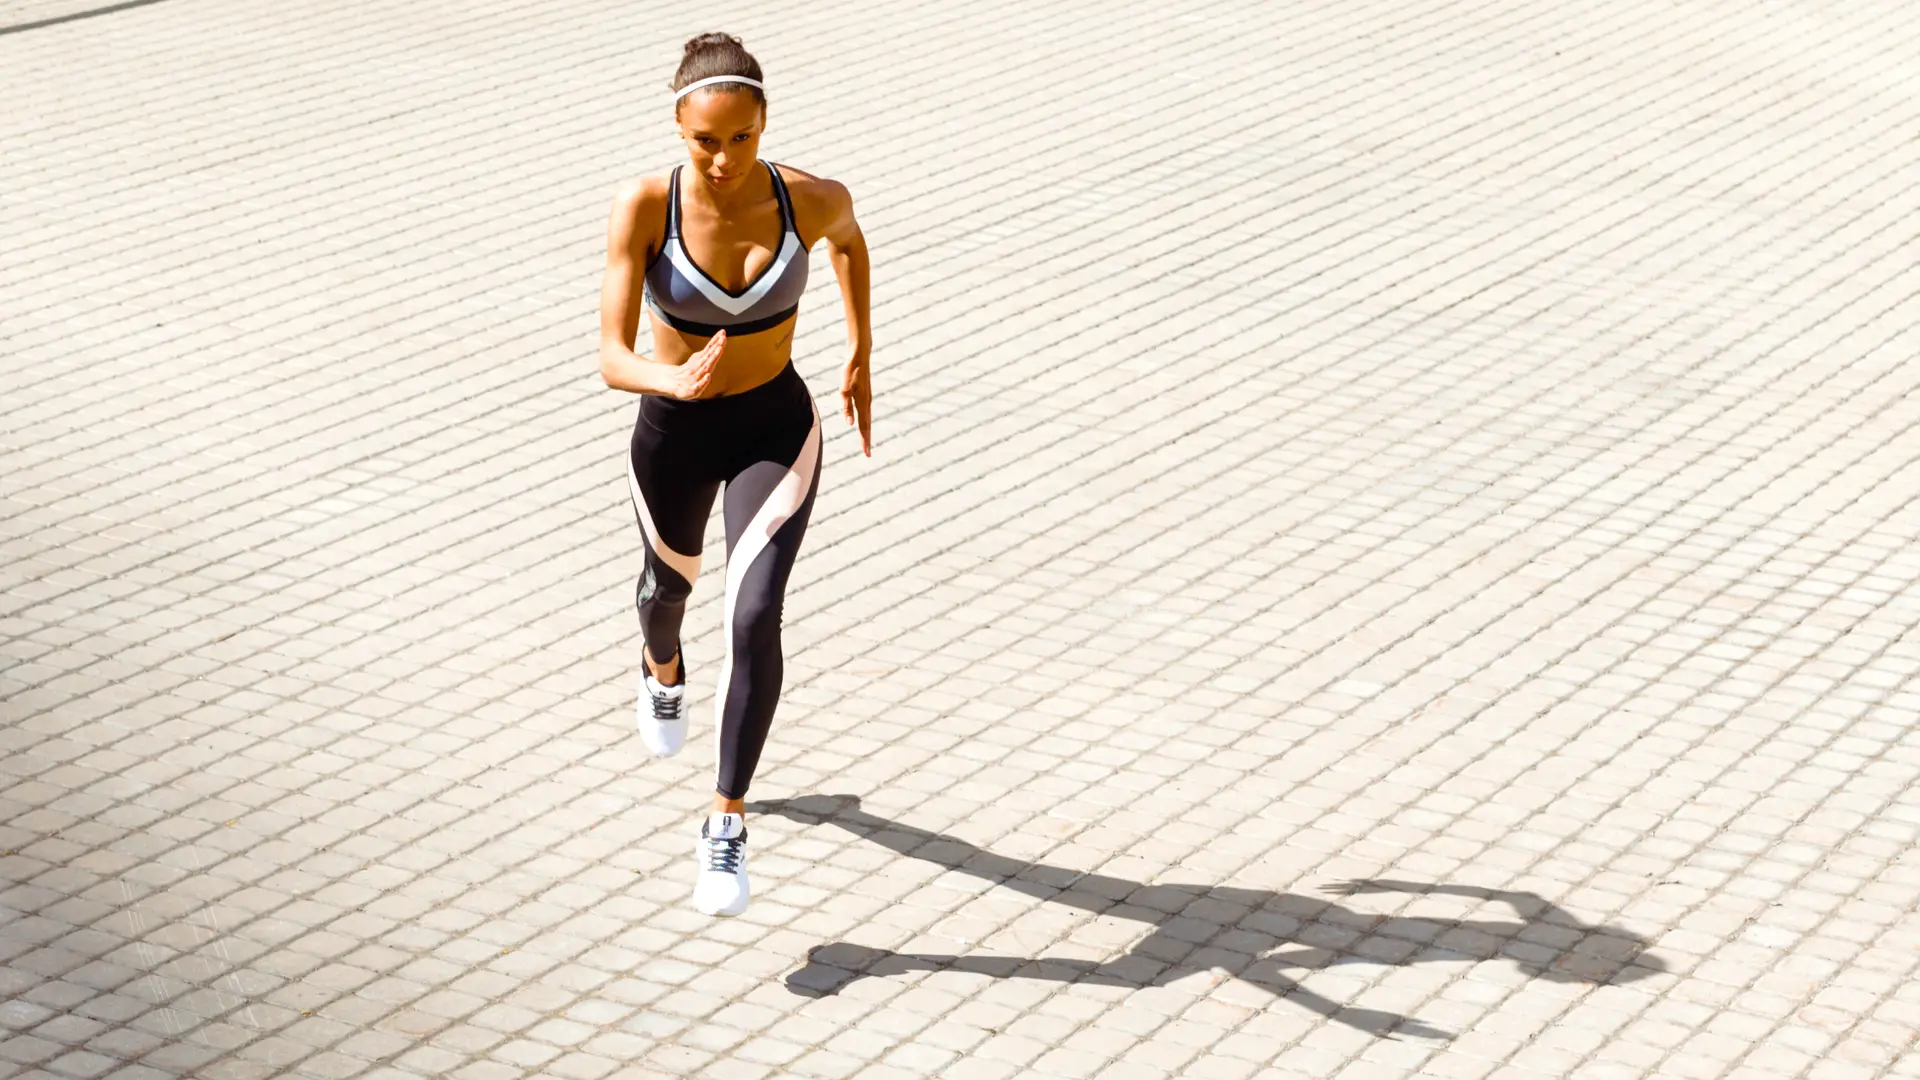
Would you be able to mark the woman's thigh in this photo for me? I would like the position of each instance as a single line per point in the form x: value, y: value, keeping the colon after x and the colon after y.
x: 768, y: 500
x: 673, y: 484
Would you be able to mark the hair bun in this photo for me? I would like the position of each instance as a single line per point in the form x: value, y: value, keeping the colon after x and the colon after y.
x: 708, y: 41
x: 710, y: 55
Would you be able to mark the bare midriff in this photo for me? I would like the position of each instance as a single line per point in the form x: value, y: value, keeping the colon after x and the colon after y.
x: 748, y: 361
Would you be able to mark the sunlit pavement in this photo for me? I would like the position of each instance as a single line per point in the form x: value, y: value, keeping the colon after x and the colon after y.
x: 1391, y: 548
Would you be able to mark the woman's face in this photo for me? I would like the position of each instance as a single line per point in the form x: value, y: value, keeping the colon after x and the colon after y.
x: 721, y: 127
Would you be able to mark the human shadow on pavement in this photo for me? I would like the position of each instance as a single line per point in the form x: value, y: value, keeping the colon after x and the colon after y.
x: 1241, y: 932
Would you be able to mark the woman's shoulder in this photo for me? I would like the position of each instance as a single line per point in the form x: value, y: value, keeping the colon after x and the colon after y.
x: 805, y: 185
x: 815, y: 198
x: 639, y: 214
x: 637, y: 191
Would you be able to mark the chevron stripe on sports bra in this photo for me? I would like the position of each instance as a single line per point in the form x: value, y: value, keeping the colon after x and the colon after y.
x: 691, y: 302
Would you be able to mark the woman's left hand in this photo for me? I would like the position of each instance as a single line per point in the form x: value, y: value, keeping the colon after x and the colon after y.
x: 856, y: 398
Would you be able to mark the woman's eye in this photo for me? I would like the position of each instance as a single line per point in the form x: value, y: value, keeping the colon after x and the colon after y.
x: 742, y: 137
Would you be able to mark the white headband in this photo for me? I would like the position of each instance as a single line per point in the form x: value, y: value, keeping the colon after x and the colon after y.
x: 702, y: 83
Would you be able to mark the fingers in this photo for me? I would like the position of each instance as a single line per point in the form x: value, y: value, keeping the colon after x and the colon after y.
x: 701, y: 367
x: 857, y: 411
x: 709, y: 354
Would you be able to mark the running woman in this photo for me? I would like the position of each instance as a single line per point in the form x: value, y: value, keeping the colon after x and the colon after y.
x: 717, y: 248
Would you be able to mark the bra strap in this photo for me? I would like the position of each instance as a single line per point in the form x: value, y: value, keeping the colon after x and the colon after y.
x: 786, y: 205
x: 673, y: 204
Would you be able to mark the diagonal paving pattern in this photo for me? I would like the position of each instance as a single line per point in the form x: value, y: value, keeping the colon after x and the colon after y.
x: 1393, y: 548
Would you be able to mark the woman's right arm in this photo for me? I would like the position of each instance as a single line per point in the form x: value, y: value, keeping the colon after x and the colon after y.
x: 627, y: 251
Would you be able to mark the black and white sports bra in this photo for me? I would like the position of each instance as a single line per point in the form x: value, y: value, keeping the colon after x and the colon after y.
x: 688, y: 300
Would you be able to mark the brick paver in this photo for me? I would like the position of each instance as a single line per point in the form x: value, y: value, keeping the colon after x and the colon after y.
x: 1393, y: 548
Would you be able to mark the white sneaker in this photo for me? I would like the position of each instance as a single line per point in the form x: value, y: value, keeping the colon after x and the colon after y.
x: 661, y: 712
x: 722, y: 887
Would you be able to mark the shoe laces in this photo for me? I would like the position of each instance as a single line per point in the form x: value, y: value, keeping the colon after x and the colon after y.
x: 666, y: 706
x: 726, y: 855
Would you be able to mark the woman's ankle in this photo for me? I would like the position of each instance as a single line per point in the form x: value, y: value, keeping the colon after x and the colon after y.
x: 665, y: 672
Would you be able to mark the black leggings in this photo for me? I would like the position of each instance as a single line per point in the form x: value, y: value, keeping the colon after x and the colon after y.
x: 764, y: 445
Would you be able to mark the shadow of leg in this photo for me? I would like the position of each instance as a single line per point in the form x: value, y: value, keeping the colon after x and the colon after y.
x: 806, y: 809
x: 831, y: 968
x: 1266, y: 974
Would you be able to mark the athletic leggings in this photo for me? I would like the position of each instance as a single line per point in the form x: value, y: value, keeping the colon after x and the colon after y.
x: 764, y: 445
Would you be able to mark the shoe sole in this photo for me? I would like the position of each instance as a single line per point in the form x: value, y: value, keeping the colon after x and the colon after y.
x: 727, y: 911
x: 668, y: 751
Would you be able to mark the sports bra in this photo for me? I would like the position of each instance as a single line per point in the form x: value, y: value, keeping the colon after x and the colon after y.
x: 688, y: 300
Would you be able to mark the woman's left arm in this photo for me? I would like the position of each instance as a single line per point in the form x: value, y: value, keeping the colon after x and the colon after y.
x: 848, y: 250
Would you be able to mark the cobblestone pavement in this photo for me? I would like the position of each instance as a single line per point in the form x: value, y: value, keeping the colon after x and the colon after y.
x: 1392, y: 547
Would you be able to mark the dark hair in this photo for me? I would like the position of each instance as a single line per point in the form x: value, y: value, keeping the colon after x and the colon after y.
x: 717, y: 54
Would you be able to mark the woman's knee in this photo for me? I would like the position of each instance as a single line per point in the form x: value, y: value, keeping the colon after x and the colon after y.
x: 756, y: 623
x: 659, y: 586
x: 670, y: 588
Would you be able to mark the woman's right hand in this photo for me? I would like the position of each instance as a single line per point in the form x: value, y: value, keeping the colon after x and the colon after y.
x: 694, y: 379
